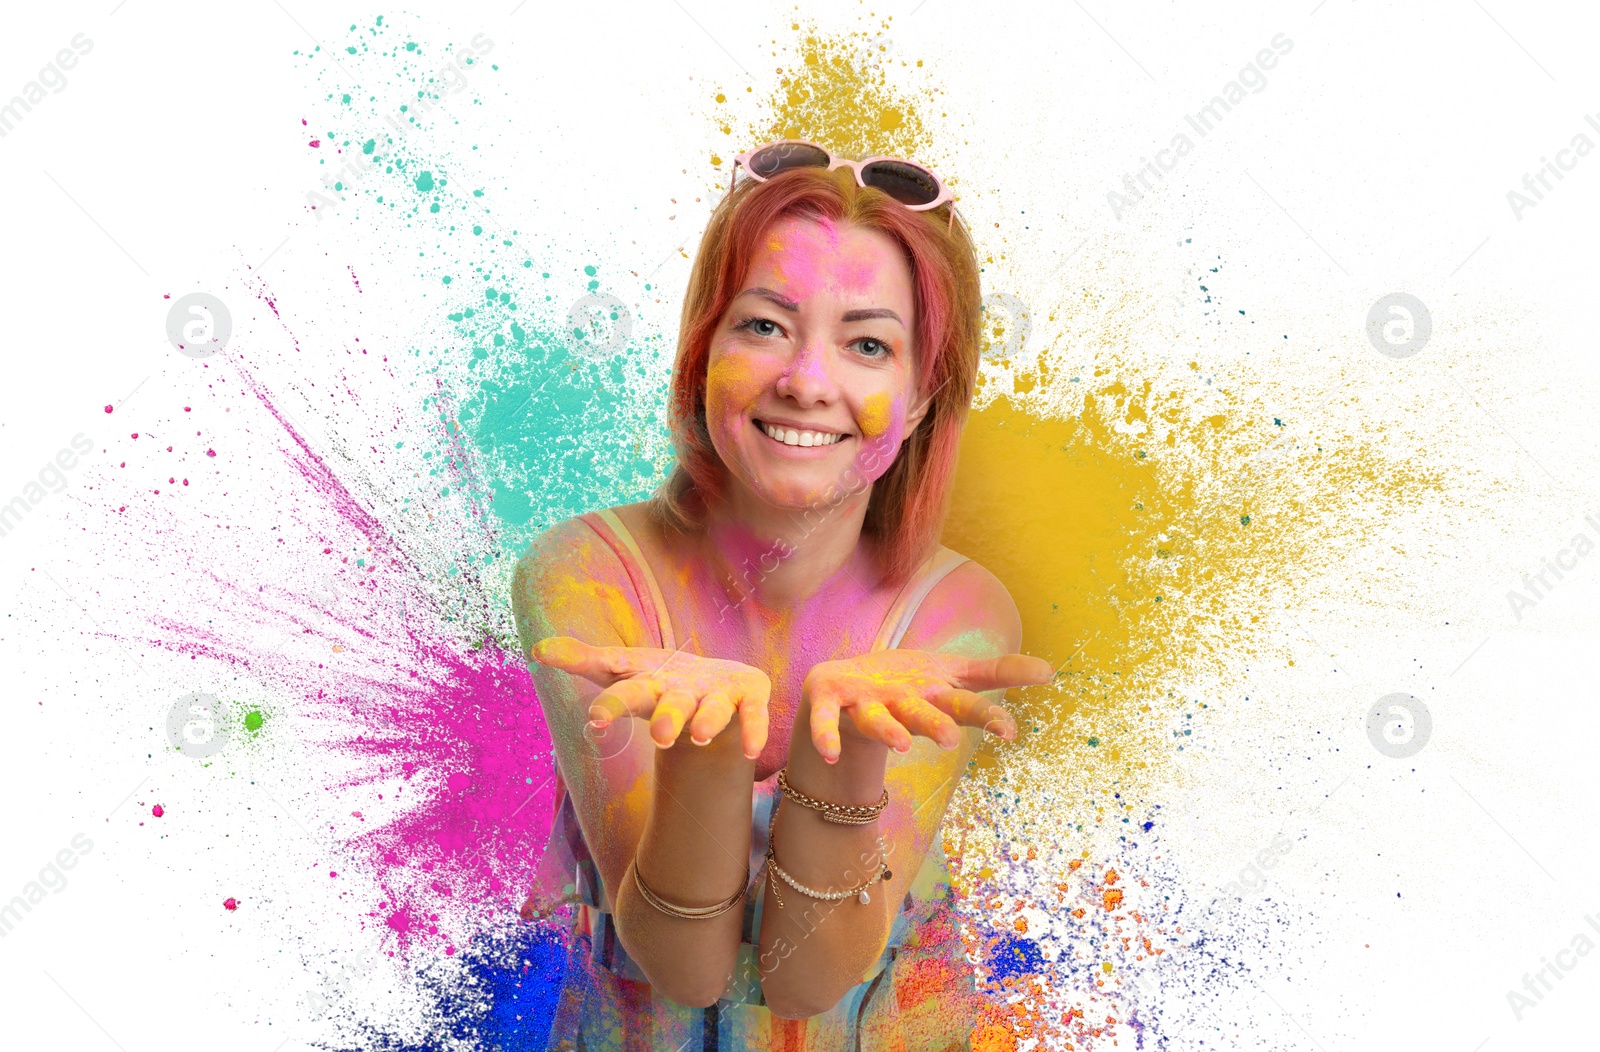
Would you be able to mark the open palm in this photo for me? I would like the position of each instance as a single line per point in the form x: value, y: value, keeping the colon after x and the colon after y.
x: 669, y: 689
x: 890, y: 696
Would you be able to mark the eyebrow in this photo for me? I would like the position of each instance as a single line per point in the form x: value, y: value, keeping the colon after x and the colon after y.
x: 791, y: 306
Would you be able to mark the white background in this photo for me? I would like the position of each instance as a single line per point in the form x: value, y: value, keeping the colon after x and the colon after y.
x: 1377, y: 159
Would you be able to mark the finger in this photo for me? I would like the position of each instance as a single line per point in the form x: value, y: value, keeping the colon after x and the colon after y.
x: 967, y: 709
x: 1001, y: 724
x: 628, y: 697
x: 974, y: 710
x: 825, y: 725
x: 716, y: 708
x: 562, y: 652
x: 672, y: 711
x: 753, y: 723
x: 601, y: 665
x: 1008, y: 670
x: 919, y: 717
x: 873, y: 719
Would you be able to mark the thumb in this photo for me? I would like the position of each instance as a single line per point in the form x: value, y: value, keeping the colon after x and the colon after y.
x: 1030, y: 670
x: 1008, y: 670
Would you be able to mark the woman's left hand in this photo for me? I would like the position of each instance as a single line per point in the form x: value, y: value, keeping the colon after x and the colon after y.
x: 889, y: 696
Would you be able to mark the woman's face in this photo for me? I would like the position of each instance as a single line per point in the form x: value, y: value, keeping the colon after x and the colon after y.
x: 817, y: 342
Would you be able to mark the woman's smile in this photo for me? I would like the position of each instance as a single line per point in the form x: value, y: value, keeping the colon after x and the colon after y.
x: 795, y: 440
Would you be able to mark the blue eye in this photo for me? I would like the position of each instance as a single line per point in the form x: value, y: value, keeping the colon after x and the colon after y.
x: 886, y: 350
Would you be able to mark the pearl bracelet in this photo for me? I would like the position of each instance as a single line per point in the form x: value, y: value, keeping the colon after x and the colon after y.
x: 859, y: 891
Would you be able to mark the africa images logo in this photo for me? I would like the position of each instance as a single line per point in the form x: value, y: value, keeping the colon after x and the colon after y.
x: 52, y: 479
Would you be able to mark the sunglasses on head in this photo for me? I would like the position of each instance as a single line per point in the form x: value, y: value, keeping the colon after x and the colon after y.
x: 910, y: 184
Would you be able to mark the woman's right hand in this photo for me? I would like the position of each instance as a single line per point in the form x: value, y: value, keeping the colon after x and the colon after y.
x: 670, y: 690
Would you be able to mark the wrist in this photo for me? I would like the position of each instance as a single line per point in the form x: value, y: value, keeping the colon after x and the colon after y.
x: 856, y: 778
x: 717, y: 771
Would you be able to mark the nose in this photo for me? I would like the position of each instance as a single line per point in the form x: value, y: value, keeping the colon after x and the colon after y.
x: 809, y: 379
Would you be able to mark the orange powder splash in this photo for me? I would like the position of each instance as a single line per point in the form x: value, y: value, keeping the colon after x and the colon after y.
x: 728, y: 375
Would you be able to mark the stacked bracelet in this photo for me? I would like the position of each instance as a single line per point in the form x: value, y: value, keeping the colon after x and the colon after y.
x: 689, y: 912
x: 840, y: 814
x: 854, y: 818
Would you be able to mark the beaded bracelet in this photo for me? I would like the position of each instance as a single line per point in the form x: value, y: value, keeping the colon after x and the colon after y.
x: 839, y: 814
x: 859, y: 891
x: 688, y: 912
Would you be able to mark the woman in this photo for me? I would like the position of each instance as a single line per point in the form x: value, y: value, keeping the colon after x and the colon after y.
x: 763, y: 684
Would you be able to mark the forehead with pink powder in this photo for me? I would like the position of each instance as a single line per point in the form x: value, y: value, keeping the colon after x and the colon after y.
x: 808, y: 256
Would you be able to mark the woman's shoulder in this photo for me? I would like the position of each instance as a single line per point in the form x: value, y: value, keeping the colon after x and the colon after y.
x: 576, y: 535
x: 565, y: 556
x: 969, y: 597
x: 572, y: 572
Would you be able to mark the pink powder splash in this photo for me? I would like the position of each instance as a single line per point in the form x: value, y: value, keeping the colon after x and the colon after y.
x: 230, y: 904
x: 158, y: 810
x: 413, y: 679
x: 471, y: 732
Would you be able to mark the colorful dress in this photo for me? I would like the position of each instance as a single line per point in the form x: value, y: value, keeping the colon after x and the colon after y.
x: 918, y: 996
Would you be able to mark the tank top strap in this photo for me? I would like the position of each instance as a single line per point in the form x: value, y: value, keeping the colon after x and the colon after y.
x: 611, y: 530
x: 904, y: 608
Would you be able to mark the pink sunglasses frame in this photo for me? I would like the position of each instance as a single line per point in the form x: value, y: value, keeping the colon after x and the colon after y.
x: 946, y: 196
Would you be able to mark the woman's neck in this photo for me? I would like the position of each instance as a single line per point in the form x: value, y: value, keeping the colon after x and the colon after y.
x: 777, y: 558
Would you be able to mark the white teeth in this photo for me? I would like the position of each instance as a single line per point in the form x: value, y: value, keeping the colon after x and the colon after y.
x: 791, y: 437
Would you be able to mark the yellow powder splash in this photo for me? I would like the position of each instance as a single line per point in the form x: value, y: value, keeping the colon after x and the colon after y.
x: 1153, y: 520
x: 833, y: 89
x: 1146, y: 519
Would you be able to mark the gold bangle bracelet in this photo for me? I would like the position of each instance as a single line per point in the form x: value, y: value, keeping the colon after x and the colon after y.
x: 689, y: 912
x: 839, y: 814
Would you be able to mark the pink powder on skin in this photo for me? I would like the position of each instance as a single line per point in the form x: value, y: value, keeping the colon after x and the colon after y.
x: 811, y: 255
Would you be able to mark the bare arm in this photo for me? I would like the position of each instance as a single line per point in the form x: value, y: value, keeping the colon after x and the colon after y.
x: 642, y: 791
x: 964, y: 636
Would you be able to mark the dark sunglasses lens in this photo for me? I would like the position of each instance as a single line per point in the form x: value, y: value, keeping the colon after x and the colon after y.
x: 785, y: 155
x: 906, y: 183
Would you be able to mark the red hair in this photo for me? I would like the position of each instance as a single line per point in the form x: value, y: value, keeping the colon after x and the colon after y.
x: 906, y: 511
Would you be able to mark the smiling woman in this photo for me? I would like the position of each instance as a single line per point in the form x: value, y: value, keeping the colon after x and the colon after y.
x: 783, y: 622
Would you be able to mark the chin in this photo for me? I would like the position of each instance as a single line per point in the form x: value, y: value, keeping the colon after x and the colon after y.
x: 791, y: 494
